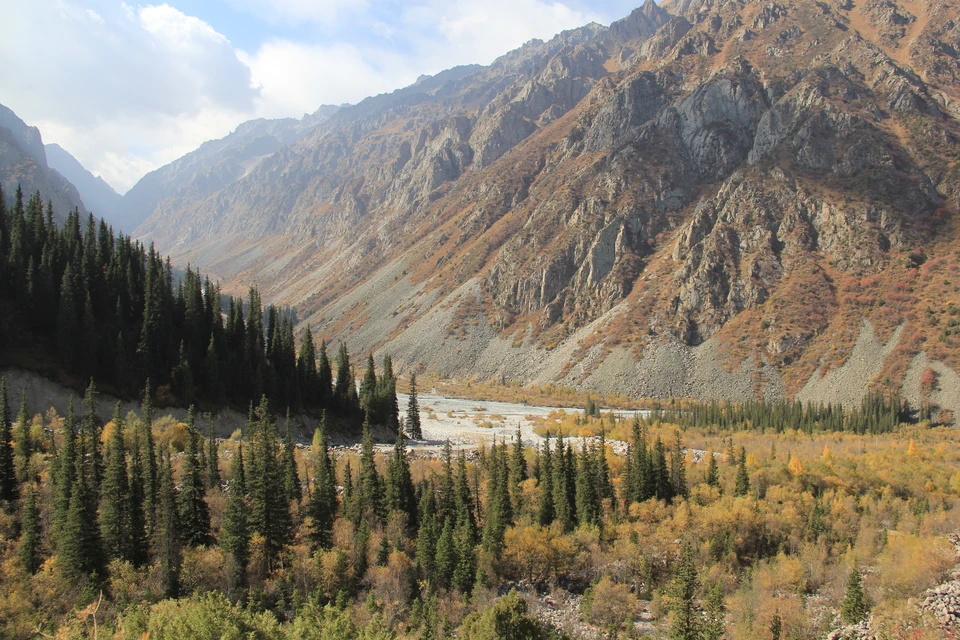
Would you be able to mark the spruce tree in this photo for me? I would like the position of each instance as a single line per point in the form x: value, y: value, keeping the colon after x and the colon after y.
x: 371, y: 485
x: 79, y: 551
x: 291, y: 479
x: 324, y: 378
x: 149, y: 459
x: 138, y: 542
x: 269, y: 507
x: 413, y: 427
x: 22, y: 448
x: 446, y: 561
x: 587, y: 502
x: 8, y: 475
x: 678, y: 471
x: 28, y: 551
x: 344, y: 390
x: 742, y: 486
x: 564, y: 508
x: 194, y: 516
x: 427, y: 537
x: 386, y: 396
x: 855, y: 608
x: 115, y: 495
x: 400, y: 495
x: 323, y: 500
x: 63, y: 480
x: 368, y: 393
x: 235, y: 527
x: 713, y: 474
x: 465, y: 573
x: 685, y: 623
x: 166, y: 536
x: 463, y: 501
x: 714, y: 613
x: 545, y: 510
x: 213, y: 458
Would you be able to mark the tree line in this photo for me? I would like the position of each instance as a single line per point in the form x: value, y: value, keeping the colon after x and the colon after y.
x: 95, y: 305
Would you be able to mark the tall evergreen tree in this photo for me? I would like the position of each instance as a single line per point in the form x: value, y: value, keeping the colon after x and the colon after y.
x: 587, y: 500
x: 291, y: 478
x: 742, y: 486
x: 79, y: 550
x: 713, y: 473
x: 323, y: 500
x: 855, y: 607
x: 28, y: 551
x: 213, y: 458
x: 685, y: 623
x: 194, y: 515
x: 545, y: 509
x: 678, y: 471
x: 345, y: 390
x: 166, y: 536
x: 269, y: 507
x: 463, y: 502
x: 446, y: 561
x: 8, y: 475
x: 138, y: 543
x: 235, y: 527
x: 371, y: 484
x: 115, y: 495
x: 400, y: 493
x: 412, y: 423
x: 324, y: 377
x: 427, y: 536
x: 465, y: 573
x: 368, y: 393
x: 63, y: 479
x: 23, y: 447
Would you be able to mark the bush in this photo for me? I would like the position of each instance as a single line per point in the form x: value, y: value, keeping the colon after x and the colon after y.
x: 507, y: 619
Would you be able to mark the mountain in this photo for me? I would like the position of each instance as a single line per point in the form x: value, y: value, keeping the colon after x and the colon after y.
x: 99, y: 196
x: 709, y: 198
x: 23, y: 161
x: 215, y: 165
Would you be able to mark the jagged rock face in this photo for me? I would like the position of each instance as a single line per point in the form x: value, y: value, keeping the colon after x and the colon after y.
x: 680, y: 176
x: 23, y: 162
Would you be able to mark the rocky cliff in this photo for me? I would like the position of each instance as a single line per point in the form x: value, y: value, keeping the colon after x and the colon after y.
x: 23, y: 162
x: 707, y: 198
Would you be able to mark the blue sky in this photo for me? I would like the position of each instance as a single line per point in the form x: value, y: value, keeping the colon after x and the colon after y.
x: 129, y: 87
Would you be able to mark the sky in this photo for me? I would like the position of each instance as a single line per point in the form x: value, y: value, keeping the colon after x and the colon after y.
x: 127, y: 88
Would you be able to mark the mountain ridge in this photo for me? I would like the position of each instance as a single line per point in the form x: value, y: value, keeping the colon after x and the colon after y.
x: 740, y: 183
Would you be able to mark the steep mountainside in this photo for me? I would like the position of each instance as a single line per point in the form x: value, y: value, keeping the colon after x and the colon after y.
x: 99, y: 196
x: 718, y: 201
x: 212, y: 167
x: 23, y: 161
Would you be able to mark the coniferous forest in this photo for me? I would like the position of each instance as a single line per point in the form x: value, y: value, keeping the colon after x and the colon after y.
x: 699, y: 522
x: 83, y: 303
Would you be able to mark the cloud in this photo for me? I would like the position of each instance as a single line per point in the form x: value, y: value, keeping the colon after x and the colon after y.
x: 128, y: 88
x: 119, y: 82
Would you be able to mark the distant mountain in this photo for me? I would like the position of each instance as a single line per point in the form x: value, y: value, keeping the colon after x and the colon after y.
x: 709, y: 198
x: 99, y: 196
x: 214, y: 166
x: 23, y: 161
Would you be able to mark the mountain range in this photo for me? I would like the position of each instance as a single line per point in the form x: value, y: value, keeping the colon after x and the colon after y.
x: 708, y: 198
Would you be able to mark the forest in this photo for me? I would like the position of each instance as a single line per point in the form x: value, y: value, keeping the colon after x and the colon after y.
x: 691, y: 521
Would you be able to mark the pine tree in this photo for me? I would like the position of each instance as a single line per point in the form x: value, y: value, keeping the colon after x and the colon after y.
x: 213, y: 458
x: 427, y: 537
x: 269, y: 508
x: 400, y: 493
x: 713, y: 474
x: 115, y: 495
x: 683, y: 589
x: 678, y: 471
x: 465, y: 573
x: 344, y: 390
x: 371, y: 485
x: 463, y: 501
x: 587, y: 502
x: 545, y: 510
x: 714, y: 613
x: 776, y: 627
x: 368, y: 393
x: 29, y: 548
x: 291, y: 479
x: 194, y: 516
x: 166, y: 536
x: 90, y: 430
x: 149, y: 459
x: 323, y: 501
x: 386, y: 396
x: 8, y: 475
x: 324, y: 378
x: 414, y: 429
x: 79, y: 551
x: 564, y: 507
x: 138, y: 542
x: 22, y: 448
x: 446, y: 562
x: 235, y: 527
x: 518, y: 464
x: 855, y: 608
x: 63, y: 479
x: 742, y: 486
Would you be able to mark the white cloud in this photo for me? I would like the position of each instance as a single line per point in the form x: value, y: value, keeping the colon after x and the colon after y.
x: 127, y: 88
